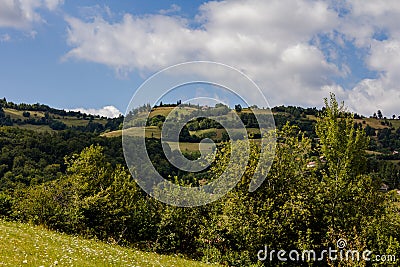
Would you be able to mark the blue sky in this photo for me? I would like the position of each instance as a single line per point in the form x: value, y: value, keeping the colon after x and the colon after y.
x: 95, y: 54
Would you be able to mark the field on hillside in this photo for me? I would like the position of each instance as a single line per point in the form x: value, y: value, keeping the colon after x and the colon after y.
x: 376, y: 123
x: 17, y: 114
x: 36, y: 128
x: 191, y: 147
x: 69, y: 121
x: 26, y: 245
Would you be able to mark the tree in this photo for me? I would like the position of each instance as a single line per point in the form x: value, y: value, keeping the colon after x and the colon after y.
x: 238, y: 108
x: 380, y: 116
x: 352, y: 205
x: 369, y: 131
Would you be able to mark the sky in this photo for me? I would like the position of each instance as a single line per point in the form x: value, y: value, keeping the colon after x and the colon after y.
x: 93, y: 55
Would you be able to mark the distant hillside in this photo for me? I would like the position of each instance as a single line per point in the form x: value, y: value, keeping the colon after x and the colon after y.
x: 384, y: 133
x: 383, y: 151
x: 39, y: 117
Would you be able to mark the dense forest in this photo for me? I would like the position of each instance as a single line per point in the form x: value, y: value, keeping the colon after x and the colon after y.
x: 74, y: 180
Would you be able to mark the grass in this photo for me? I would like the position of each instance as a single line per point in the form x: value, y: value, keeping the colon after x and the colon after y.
x: 164, y: 111
x: 371, y: 122
x: 395, y: 123
x: 71, y: 121
x: 26, y: 245
x: 36, y: 128
x: 112, y: 134
x: 150, y: 131
x: 154, y: 131
x: 17, y: 114
x: 205, y: 147
x: 370, y: 152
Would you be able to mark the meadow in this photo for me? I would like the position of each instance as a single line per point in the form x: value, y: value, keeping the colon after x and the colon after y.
x: 26, y: 245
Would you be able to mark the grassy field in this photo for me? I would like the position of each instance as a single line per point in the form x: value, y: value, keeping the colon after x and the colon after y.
x: 376, y: 123
x: 138, y: 131
x: 36, y: 128
x: 69, y: 121
x: 205, y: 147
x: 26, y: 245
x: 150, y: 131
x: 17, y: 114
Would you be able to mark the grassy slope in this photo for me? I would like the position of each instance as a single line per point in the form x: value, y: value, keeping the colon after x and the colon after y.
x: 69, y: 121
x: 26, y: 245
x: 153, y: 131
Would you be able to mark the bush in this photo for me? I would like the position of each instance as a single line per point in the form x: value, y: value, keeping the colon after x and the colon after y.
x: 5, y: 205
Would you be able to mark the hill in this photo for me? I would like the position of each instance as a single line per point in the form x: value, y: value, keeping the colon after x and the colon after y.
x: 383, y: 149
x: 78, y: 183
x: 39, y: 117
x: 384, y: 132
x: 26, y: 245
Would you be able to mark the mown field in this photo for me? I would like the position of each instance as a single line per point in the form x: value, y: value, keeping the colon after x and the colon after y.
x: 26, y: 245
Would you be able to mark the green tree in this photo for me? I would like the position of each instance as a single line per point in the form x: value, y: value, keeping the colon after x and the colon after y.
x: 350, y: 201
x: 380, y: 116
x: 238, y: 108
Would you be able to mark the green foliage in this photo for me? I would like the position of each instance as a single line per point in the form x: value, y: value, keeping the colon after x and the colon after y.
x: 6, y: 202
x: 299, y: 206
x: 30, y: 158
x: 351, y: 205
x: 57, y: 125
x: 341, y: 144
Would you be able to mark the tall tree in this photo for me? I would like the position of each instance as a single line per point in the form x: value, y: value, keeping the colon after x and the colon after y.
x: 380, y: 116
x: 351, y: 201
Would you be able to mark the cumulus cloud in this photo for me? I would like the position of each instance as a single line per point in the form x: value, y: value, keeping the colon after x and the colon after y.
x: 268, y: 40
x: 21, y: 14
x: 107, y: 111
x: 274, y: 42
x: 373, y: 26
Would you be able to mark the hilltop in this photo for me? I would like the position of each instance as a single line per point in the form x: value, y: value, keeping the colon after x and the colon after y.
x: 39, y: 117
x: 384, y: 132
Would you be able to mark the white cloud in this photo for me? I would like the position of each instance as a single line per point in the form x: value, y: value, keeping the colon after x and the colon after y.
x: 274, y: 42
x: 91, y: 12
x: 373, y: 26
x: 372, y: 94
x: 53, y: 4
x: 5, y: 38
x: 21, y: 14
x: 174, y: 8
x: 268, y: 40
x: 107, y: 111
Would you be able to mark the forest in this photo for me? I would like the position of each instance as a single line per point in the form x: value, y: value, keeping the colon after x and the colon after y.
x: 75, y: 180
